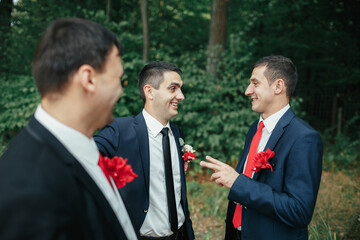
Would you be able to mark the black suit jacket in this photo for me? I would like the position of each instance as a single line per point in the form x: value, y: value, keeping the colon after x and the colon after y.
x: 128, y: 137
x: 46, y: 194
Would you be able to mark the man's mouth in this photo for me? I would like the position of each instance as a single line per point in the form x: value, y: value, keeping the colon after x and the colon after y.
x: 174, y: 104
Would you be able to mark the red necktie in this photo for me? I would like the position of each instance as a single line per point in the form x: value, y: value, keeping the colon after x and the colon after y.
x: 104, y: 168
x: 249, y: 169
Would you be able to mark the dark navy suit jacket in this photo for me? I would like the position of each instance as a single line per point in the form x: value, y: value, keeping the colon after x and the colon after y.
x: 127, y: 137
x: 45, y: 193
x: 279, y: 204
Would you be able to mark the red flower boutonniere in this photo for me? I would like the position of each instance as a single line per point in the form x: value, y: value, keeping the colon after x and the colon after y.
x: 117, y: 168
x: 188, y: 156
x: 261, y: 160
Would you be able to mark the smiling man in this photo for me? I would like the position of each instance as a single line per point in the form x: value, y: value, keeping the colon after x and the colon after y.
x: 272, y: 194
x: 157, y: 198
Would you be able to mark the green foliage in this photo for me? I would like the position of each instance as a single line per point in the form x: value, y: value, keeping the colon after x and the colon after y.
x: 18, y: 102
x: 177, y: 25
x: 29, y: 21
x: 319, y: 36
x: 342, y: 151
x: 130, y: 102
x: 215, y: 114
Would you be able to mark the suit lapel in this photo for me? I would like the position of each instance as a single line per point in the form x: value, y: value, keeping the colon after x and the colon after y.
x: 277, y: 133
x: 130, y: 216
x: 143, y: 140
x: 176, y: 133
x: 88, y: 183
x: 41, y: 133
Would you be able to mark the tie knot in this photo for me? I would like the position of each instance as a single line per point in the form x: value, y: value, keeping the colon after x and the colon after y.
x: 261, y: 125
x: 165, y: 131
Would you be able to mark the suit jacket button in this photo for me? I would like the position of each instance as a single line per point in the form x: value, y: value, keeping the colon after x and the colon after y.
x: 145, y: 210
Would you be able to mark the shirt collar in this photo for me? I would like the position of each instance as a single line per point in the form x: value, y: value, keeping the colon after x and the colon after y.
x: 271, y: 121
x: 153, y: 125
x: 79, y: 145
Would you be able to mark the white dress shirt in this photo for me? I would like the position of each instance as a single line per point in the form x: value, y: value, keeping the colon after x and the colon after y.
x: 85, y: 151
x: 156, y: 223
x: 269, y: 125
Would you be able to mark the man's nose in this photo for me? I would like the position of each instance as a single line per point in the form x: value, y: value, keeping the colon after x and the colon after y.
x: 180, y: 96
x: 249, y: 90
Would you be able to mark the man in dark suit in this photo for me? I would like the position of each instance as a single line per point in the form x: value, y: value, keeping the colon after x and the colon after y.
x: 157, y: 198
x: 51, y: 185
x: 273, y: 198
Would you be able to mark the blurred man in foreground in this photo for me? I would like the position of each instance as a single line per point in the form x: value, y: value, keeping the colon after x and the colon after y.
x: 51, y: 184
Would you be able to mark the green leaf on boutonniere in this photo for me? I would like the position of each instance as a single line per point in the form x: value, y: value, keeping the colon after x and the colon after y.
x: 181, y: 141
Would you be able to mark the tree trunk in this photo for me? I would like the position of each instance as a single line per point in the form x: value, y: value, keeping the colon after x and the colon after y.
x: 6, y: 7
x: 217, y: 37
x: 108, y: 8
x: 145, y: 27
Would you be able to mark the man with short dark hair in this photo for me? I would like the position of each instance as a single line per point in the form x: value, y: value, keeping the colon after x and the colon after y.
x: 274, y: 187
x: 51, y: 184
x: 157, y: 198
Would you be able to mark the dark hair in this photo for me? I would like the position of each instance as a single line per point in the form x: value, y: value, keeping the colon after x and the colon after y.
x: 153, y: 74
x: 279, y: 67
x: 67, y: 44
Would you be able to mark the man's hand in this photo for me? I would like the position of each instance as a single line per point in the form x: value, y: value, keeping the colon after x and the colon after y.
x: 223, y: 175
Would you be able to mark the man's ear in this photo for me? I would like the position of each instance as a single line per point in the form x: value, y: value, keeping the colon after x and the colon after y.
x: 148, y: 91
x: 86, y: 75
x: 279, y: 86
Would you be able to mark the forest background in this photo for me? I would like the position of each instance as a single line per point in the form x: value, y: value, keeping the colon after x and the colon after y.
x: 216, y: 43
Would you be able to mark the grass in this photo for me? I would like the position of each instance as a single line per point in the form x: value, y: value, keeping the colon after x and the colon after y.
x: 336, y: 216
x: 207, y: 205
x: 337, y: 212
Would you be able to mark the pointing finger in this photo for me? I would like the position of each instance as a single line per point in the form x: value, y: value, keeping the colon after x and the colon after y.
x: 215, y: 161
x: 209, y: 165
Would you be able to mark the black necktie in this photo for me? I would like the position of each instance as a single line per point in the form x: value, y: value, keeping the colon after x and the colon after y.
x: 169, y: 180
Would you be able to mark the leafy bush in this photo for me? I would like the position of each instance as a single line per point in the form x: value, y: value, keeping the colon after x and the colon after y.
x: 215, y: 115
x: 17, y: 104
x: 342, y: 151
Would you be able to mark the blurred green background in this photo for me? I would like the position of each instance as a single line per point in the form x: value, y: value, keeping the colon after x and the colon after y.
x: 215, y: 43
